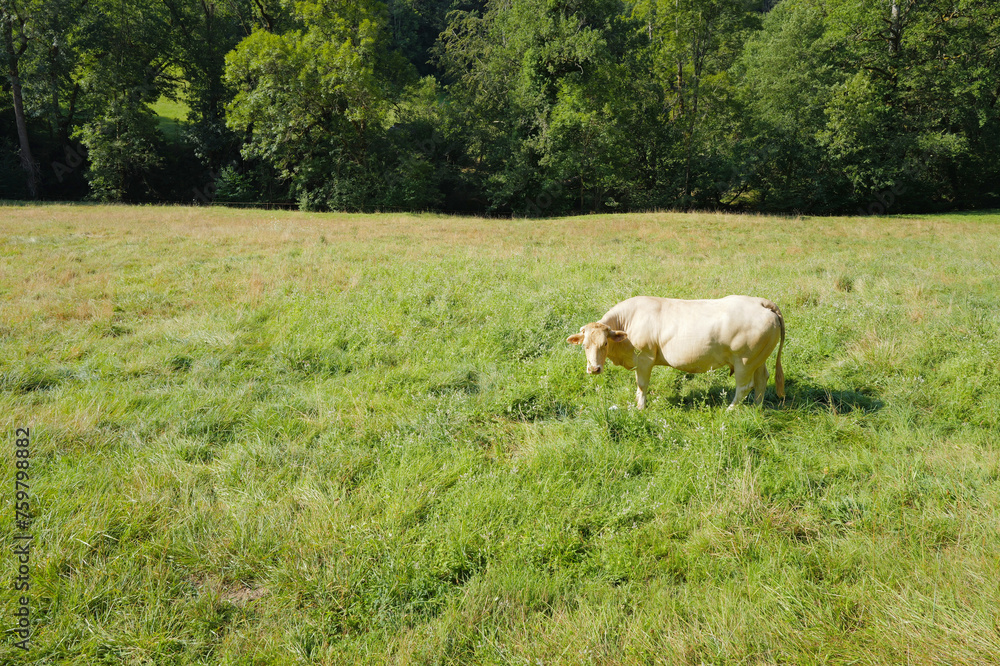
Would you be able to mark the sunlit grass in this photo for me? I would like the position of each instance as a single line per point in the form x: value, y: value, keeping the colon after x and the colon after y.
x: 277, y: 437
x: 171, y: 115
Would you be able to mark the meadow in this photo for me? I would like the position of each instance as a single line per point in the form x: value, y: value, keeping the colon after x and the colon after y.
x: 278, y: 438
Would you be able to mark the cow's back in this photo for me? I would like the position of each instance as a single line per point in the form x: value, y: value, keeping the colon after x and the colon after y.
x: 696, y: 335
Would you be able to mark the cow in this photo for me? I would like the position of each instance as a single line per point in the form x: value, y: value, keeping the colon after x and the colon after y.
x: 692, y: 336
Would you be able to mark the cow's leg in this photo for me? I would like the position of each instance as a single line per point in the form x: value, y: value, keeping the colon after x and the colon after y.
x: 759, y: 384
x: 643, y: 369
x: 743, y: 382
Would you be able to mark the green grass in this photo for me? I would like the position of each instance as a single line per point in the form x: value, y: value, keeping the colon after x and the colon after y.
x: 275, y: 437
x: 171, y: 115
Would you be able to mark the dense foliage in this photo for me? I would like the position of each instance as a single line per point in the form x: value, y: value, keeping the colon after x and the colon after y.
x: 529, y: 107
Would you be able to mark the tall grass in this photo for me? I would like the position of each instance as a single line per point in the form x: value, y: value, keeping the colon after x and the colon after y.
x: 288, y: 438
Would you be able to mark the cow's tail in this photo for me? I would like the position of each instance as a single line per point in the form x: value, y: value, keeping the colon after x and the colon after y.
x: 779, y: 374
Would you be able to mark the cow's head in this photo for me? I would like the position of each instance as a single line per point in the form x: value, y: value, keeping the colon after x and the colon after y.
x: 595, y: 339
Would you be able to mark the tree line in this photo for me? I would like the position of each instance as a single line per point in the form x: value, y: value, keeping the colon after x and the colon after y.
x: 524, y: 107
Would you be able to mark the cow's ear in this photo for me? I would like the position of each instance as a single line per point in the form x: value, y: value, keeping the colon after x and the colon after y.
x: 618, y: 336
x: 575, y: 339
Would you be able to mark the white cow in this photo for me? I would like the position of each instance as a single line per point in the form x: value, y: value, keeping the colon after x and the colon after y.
x: 693, y: 336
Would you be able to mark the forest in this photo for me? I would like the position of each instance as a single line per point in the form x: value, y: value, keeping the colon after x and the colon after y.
x: 505, y: 107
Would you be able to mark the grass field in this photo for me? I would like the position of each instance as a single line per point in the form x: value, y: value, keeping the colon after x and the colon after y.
x: 277, y: 437
x: 171, y: 115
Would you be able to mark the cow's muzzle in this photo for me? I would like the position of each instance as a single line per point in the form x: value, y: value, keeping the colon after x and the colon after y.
x: 594, y: 369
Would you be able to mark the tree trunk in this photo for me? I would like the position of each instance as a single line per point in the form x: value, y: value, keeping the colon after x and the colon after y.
x: 27, y: 160
x: 13, y: 71
x: 895, y: 33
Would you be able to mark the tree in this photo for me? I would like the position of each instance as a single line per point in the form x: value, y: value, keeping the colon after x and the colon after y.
x: 314, y: 99
x: 16, y: 24
x: 785, y: 81
x: 692, y: 45
x: 540, y: 87
x: 850, y: 104
x: 416, y: 24
x: 127, y: 51
x: 927, y: 73
x: 204, y: 31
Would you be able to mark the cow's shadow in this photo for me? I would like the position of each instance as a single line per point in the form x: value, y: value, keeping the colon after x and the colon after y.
x: 800, y: 395
x: 806, y: 396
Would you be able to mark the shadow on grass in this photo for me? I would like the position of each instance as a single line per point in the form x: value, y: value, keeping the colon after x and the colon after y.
x: 810, y: 397
x: 799, y: 395
x: 717, y: 395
